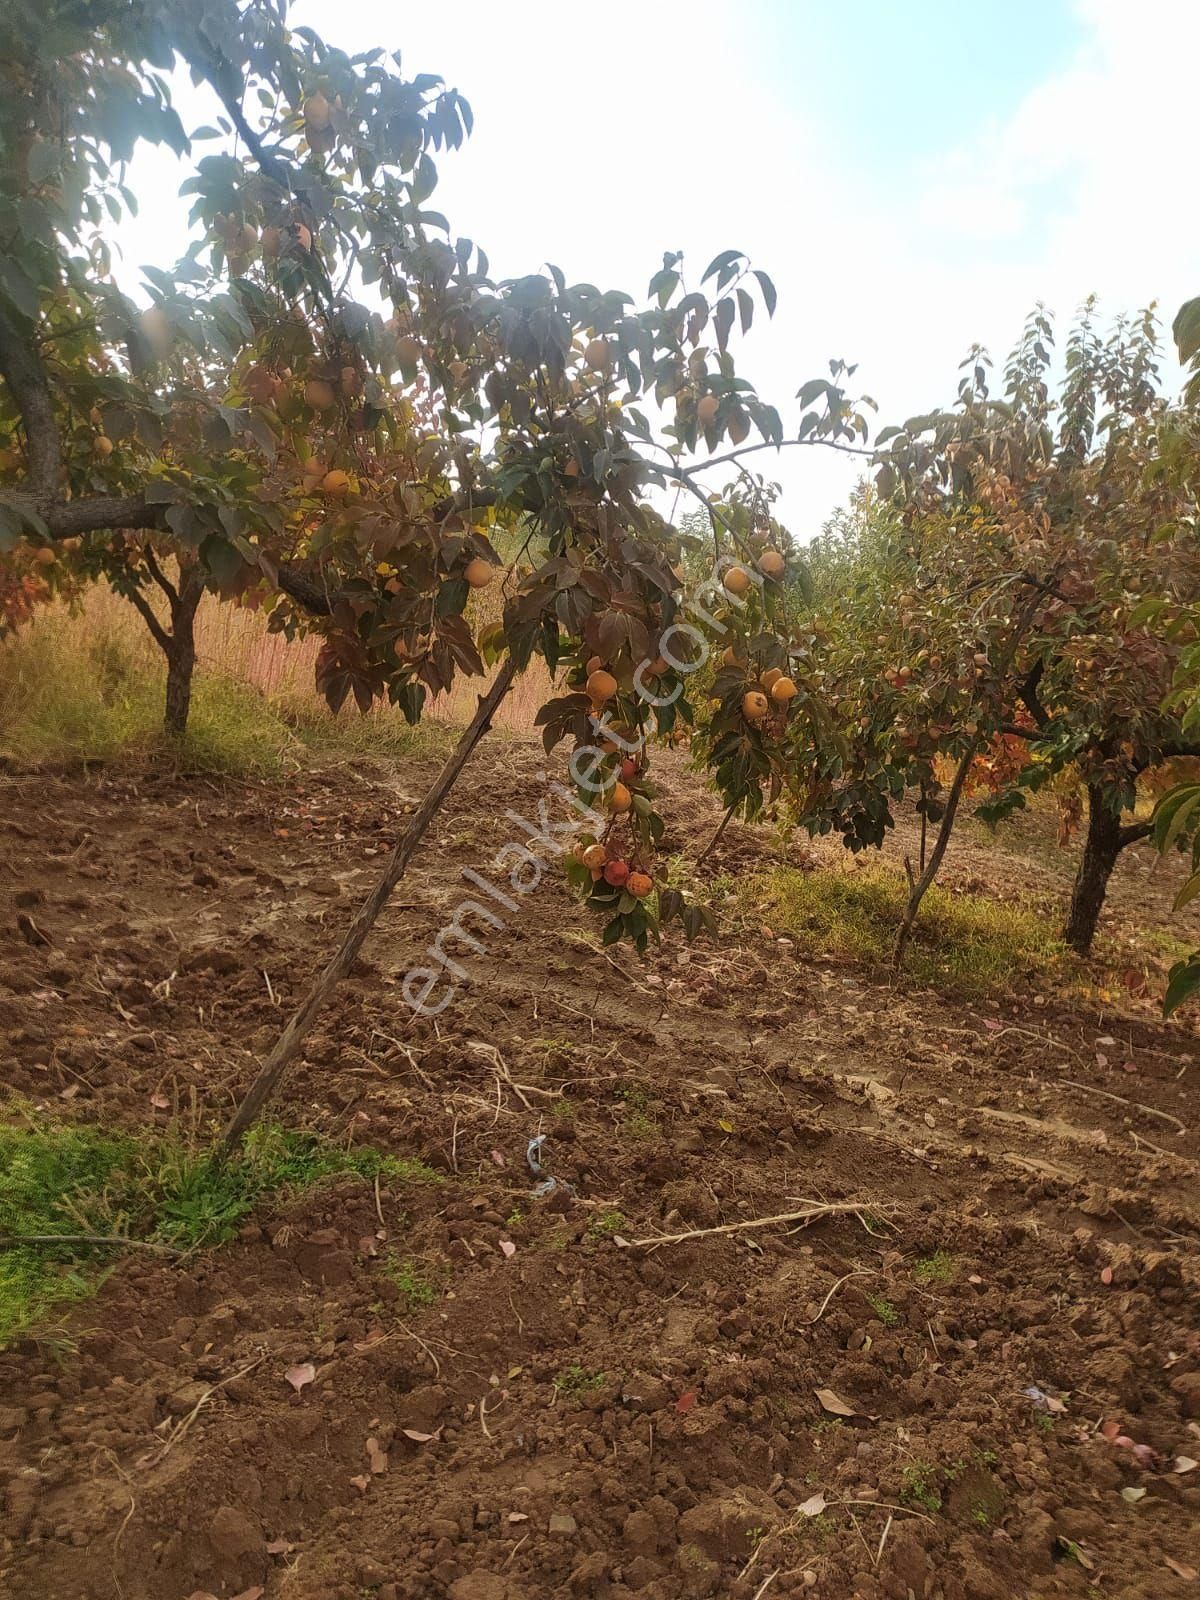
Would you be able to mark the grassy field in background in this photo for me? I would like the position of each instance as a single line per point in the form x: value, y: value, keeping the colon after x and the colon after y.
x: 86, y: 683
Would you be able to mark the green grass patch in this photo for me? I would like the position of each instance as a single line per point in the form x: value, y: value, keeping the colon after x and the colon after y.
x: 578, y: 1382
x: 940, y: 1267
x: 58, y: 1180
x: 416, y: 1291
x: 965, y: 942
x: 884, y: 1310
x: 919, y: 1486
x: 81, y: 689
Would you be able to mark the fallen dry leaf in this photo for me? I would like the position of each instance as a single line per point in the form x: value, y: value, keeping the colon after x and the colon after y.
x: 421, y: 1438
x: 1133, y: 1495
x: 508, y: 1247
x: 686, y: 1400
x: 299, y: 1376
x: 161, y: 1101
x: 834, y: 1403
x: 1182, y: 1570
x: 279, y: 1547
x: 812, y: 1507
x: 376, y: 1457
x: 518, y: 1516
x: 1185, y: 1464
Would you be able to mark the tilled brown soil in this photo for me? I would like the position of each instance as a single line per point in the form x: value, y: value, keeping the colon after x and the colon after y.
x: 836, y: 1407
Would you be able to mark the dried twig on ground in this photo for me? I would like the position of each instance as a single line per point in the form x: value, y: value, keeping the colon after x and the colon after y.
x: 1134, y: 1105
x: 16, y: 1240
x: 825, y: 1303
x: 811, y: 1212
x: 181, y: 1427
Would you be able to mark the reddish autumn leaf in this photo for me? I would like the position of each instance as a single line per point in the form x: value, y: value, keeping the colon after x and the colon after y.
x: 686, y: 1401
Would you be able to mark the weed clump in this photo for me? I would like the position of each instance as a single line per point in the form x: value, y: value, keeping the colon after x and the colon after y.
x: 77, y: 1183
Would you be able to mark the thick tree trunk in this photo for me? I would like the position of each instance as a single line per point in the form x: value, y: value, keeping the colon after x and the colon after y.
x: 181, y: 656
x: 1103, y: 844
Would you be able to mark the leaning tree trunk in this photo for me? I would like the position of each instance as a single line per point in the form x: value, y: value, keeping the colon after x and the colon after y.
x: 1104, y: 842
x: 291, y: 1040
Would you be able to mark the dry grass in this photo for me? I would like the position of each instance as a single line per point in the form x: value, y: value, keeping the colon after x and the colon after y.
x: 85, y: 683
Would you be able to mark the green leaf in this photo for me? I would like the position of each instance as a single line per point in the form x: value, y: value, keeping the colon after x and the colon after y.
x: 809, y: 391
x: 1173, y: 812
x: 1182, y: 982
x: 10, y: 528
x: 770, y: 298
x: 1186, y: 329
x: 452, y: 597
x: 719, y: 263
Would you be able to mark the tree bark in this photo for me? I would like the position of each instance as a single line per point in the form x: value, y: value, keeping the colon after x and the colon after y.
x: 291, y: 1040
x: 917, y: 893
x: 181, y: 657
x: 1106, y: 838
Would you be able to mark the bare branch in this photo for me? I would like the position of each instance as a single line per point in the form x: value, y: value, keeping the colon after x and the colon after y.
x: 1132, y: 832
x: 159, y: 634
x: 160, y: 577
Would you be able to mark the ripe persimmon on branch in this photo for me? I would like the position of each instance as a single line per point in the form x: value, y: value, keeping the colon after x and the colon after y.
x: 329, y: 406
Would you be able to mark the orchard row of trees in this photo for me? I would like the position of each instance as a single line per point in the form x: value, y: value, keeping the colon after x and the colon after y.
x: 330, y: 408
x: 1012, y: 606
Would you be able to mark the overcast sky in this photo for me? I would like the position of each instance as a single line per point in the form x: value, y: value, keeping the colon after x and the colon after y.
x: 912, y: 175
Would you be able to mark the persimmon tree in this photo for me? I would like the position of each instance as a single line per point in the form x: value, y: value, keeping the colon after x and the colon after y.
x: 1177, y: 814
x: 330, y: 399
x: 1021, y: 576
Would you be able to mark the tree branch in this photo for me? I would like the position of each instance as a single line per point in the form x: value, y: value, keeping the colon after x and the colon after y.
x: 160, y: 578
x: 1028, y: 694
x: 1132, y: 832
x: 159, y: 634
